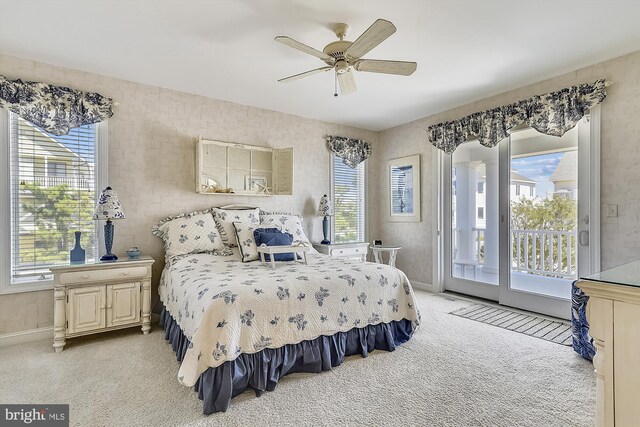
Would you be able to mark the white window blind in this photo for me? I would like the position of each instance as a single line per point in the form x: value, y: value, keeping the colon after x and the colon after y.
x: 53, y: 194
x: 349, y: 202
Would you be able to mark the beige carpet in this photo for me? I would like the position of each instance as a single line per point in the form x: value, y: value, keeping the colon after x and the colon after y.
x: 452, y: 373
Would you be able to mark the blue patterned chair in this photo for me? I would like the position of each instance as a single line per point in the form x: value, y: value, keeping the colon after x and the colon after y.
x: 582, y: 341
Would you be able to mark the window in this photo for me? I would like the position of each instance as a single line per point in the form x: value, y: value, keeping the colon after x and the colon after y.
x: 517, y: 190
x: 348, y: 194
x: 52, y: 193
x: 480, y: 187
x: 56, y: 168
x: 480, y: 213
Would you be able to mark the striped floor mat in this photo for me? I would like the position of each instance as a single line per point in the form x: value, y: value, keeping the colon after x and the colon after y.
x: 556, y: 331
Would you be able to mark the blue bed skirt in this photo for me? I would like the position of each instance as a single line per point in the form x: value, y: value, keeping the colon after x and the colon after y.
x: 582, y: 341
x: 261, y: 371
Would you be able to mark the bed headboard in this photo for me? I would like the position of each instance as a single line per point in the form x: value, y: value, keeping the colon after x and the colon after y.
x: 237, y: 207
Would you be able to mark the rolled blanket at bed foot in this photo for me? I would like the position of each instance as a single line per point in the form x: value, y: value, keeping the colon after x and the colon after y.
x: 261, y: 371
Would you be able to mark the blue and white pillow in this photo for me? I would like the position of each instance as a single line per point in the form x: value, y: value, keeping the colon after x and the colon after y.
x: 226, y: 217
x: 285, y: 222
x: 192, y: 233
x: 274, y: 237
x: 246, y: 241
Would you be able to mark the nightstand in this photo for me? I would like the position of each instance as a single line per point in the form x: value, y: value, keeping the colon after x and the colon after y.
x: 344, y: 250
x: 102, y: 296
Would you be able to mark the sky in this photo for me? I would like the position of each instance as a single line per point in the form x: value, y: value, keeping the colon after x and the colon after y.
x: 538, y: 168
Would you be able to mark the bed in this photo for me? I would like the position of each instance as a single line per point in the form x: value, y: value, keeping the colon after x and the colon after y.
x: 239, y: 325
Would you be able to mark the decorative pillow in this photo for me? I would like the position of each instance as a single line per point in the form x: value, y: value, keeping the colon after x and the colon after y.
x: 226, y: 217
x: 189, y: 233
x: 246, y: 241
x: 287, y: 223
x: 274, y: 237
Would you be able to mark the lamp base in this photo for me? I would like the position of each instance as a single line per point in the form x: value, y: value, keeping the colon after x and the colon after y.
x: 108, y: 242
x: 325, y: 231
x: 108, y: 257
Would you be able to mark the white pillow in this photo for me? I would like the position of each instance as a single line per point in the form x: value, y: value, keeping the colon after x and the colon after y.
x: 226, y: 217
x: 246, y: 241
x: 285, y: 222
x: 190, y: 234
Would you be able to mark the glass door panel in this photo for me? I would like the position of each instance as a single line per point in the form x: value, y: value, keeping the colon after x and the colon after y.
x: 473, y: 255
x: 543, y: 211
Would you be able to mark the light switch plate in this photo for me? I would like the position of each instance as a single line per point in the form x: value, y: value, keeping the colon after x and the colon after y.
x: 612, y: 210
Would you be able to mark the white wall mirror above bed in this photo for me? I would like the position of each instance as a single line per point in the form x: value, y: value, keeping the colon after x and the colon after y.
x: 230, y: 168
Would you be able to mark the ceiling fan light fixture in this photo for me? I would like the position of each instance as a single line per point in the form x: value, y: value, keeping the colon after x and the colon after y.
x: 341, y: 66
x: 345, y: 56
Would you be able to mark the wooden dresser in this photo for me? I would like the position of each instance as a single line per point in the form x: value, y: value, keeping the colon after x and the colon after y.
x: 97, y: 297
x: 613, y: 312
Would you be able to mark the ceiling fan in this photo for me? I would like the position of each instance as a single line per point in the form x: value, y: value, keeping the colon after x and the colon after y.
x: 343, y: 55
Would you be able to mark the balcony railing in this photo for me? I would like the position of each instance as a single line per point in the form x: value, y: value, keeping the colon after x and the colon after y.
x: 543, y: 252
x: 74, y: 182
x: 548, y: 253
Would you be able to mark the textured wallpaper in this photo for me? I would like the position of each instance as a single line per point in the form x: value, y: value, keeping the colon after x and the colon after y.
x: 152, y: 158
x: 620, y: 166
x: 151, y: 164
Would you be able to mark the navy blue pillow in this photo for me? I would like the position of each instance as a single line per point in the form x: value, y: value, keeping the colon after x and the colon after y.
x: 274, y: 237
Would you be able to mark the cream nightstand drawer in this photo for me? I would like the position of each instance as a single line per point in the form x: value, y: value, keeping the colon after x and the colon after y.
x: 356, y: 251
x: 91, y: 276
x: 347, y: 251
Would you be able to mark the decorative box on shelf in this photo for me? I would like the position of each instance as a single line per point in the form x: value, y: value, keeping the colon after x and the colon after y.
x: 344, y: 250
x: 102, y: 296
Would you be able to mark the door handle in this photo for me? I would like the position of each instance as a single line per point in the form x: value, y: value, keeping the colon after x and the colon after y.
x: 583, y: 238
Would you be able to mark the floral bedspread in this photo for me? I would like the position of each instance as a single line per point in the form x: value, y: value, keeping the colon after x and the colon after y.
x: 226, y: 307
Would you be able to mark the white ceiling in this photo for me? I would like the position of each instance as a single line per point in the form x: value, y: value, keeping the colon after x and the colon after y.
x: 465, y: 49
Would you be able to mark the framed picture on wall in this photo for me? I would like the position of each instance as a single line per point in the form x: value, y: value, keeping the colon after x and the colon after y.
x: 254, y: 183
x: 403, y: 189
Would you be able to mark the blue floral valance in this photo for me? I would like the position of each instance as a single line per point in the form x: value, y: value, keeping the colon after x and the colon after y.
x: 552, y: 114
x: 56, y: 109
x: 351, y: 151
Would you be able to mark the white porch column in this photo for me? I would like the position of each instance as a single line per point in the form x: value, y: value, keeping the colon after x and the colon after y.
x: 492, y: 215
x: 465, y: 211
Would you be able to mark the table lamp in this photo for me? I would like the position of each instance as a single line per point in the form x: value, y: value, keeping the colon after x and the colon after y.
x: 108, y: 208
x: 325, y: 209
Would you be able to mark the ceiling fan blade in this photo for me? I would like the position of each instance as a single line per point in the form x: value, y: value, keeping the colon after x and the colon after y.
x: 402, y: 68
x: 303, y: 47
x: 372, y: 37
x: 347, y: 82
x: 305, y: 74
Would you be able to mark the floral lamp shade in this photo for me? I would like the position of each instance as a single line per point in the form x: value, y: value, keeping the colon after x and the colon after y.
x: 108, y: 206
x: 326, y: 207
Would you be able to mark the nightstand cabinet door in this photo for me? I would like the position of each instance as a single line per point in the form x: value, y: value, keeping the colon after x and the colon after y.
x: 123, y: 304
x: 85, y: 309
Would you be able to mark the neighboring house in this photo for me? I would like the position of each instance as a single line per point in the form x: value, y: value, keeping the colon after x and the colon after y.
x: 565, y: 176
x: 45, y: 161
x: 521, y: 186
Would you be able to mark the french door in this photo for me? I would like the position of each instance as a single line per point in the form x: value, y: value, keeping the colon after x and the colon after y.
x: 521, y: 220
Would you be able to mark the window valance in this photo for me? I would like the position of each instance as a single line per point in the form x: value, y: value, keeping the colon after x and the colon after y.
x: 351, y: 151
x: 552, y: 114
x: 56, y: 109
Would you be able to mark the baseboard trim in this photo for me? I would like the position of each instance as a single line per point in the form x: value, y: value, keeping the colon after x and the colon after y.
x: 30, y: 335
x: 422, y: 286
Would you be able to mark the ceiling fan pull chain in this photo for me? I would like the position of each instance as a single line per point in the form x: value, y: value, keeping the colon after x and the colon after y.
x: 335, y: 86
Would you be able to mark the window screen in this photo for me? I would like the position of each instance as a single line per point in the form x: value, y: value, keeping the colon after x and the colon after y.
x: 53, y: 194
x: 349, y: 202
